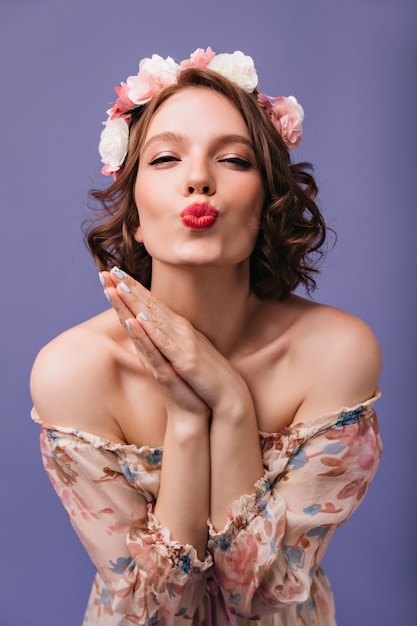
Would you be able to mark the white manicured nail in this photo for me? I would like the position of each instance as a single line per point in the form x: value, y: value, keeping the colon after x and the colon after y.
x: 125, y: 287
x: 119, y: 273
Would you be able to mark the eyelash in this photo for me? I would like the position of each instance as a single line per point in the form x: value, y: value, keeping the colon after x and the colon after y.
x: 167, y: 158
x: 234, y: 160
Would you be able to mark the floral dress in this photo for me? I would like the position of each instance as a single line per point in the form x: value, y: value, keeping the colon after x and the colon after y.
x: 263, y: 566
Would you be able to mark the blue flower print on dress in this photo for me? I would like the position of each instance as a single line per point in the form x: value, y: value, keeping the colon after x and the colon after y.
x: 155, y: 457
x: 129, y: 474
x: 350, y: 418
x: 121, y: 565
x: 105, y: 599
x: 298, y: 460
x: 184, y: 563
x: 182, y: 611
x: 234, y: 598
x: 53, y: 436
x: 313, y: 509
x: 262, y: 498
x: 223, y: 542
x: 334, y: 448
x: 294, y: 556
x: 318, y: 531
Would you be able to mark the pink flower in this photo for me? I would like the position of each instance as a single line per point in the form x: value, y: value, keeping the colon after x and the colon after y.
x: 199, y: 58
x: 123, y: 102
x: 287, y: 116
x: 143, y: 87
x: 109, y: 170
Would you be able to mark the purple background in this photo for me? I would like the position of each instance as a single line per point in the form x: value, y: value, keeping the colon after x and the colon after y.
x: 352, y: 66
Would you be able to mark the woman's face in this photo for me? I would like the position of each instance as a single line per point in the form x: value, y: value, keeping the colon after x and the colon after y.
x: 198, y: 192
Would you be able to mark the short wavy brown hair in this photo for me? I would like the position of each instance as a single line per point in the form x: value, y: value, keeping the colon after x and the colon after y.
x: 292, y: 230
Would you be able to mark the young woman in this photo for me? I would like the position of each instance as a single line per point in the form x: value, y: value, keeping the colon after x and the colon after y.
x: 199, y: 438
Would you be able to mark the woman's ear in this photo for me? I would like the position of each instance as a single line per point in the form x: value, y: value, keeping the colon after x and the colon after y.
x: 138, y: 235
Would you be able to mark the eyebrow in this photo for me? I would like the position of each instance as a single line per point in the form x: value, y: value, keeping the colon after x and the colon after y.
x: 218, y: 141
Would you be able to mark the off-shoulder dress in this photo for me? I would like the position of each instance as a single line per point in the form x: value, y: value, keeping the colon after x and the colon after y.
x: 263, y: 568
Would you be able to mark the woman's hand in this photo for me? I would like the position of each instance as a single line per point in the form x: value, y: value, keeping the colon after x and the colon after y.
x: 130, y: 307
x: 186, y: 364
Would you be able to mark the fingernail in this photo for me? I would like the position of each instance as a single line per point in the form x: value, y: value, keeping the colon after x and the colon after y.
x: 119, y: 273
x: 107, y: 296
x: 143, y: 316
x: 128, y: 325
x: 125, y: 287
x: 101, y: 279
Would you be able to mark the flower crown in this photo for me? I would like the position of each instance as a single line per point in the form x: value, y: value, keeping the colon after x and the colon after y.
x: 154, y: 74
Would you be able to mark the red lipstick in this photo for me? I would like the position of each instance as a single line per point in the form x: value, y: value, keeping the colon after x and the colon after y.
x: 199, y: 216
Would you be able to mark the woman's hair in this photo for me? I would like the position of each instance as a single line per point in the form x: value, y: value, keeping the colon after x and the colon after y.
x: 292, y: 230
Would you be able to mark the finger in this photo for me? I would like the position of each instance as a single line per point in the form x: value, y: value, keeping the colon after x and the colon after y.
x: 173, y: 338
x: 105, y: 279
x: 122, y: 310
x: 189, y: 353
x: 109, y: 281
x: 135, y: 295
x: 162, y: 371
x: 144, y: 304
x: 149, y: 354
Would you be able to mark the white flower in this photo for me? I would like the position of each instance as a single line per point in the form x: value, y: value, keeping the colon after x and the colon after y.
x: 237, y: 67
x: 165, y: 69
x: 114, y: 140
x: 154, y: 74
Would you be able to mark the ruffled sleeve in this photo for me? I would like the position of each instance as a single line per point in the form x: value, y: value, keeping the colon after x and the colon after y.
x: 109, y: 491
x: 315, y: 477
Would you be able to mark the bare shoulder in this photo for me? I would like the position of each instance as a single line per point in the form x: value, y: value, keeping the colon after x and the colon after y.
x: 340, y: 356
x: 73, y: 377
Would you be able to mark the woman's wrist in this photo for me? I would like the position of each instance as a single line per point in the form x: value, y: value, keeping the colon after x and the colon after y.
x: 187, y: 427
x: 236, y: 409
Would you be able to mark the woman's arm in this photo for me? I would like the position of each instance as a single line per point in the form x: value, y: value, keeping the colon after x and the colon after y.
x: 316, y: 474
x: 267, y: 554
x: 235, y: 454
x: 107, y: 491
x: 183, y: 359
x: 183, y: 498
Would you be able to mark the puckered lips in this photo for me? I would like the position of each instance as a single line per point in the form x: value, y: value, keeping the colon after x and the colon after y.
x: 199, y: 215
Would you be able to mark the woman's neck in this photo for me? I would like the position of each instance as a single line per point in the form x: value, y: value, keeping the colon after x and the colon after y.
x: 216, y: 300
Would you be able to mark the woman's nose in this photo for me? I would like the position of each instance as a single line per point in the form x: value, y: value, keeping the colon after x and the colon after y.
x: 205, y: 189
x: 200, y: 180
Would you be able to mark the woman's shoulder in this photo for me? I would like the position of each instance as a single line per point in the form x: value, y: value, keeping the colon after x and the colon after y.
x: 334, y: 330
x: 73, y: 376
x: 322, y: 325
x: 67, y: 352
x: 336, y: 352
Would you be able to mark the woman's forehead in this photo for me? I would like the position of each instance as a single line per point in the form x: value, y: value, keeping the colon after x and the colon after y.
x: 195, y: 108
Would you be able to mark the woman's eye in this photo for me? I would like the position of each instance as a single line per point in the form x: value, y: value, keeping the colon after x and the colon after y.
x: 165, y: 158
x: 237, y: 161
